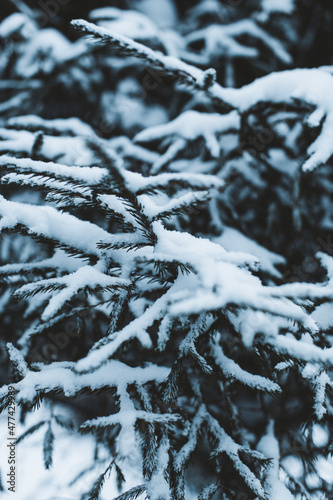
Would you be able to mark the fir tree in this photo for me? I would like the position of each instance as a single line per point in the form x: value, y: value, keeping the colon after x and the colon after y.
x: 172, y: 220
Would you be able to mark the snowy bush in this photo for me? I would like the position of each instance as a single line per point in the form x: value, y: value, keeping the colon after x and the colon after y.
x: 166, y: 254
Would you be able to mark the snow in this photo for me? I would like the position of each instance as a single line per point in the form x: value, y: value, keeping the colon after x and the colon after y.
x: 60, y: 261
x: 131, y: 416
x: 127, y: 149
x: 163, y: 332
x: 137, y: 182
x: 89, y: 175
x: 242, y: 289
x: 86, y: 276
x: 128, y: 107
x: 192, y: 438
x: 16, y: 141
x: 325, y: 469
x: 293, y: 465
x: 191, y: 125
x: 64, y: 375
x: 233, y: 240
x: 321, y: 382
x: 195, y: 250
x: 249, y: 322
x: 15, y: 102
x: 177, y: 147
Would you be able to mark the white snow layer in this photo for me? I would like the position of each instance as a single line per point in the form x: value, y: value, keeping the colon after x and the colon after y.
x: 48, y: 222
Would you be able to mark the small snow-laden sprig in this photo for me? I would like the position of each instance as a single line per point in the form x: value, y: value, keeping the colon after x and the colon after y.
x: 130, y: 48
x: 280, y: 331
x: 86, y: 278
x: 78, y: 195
x: 9, y: 271
x: 168, y: 65
x: 97, y: 487
x: 63, y: 141
x: 184, y: 204
x: 115, y: 376
x: 61, y: 52
x: 128, y: 419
